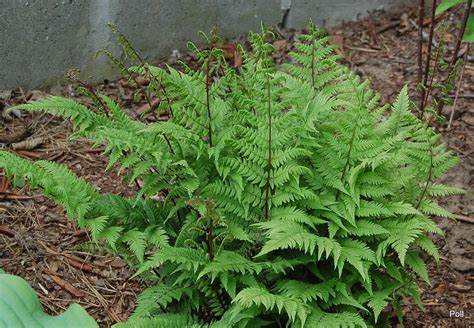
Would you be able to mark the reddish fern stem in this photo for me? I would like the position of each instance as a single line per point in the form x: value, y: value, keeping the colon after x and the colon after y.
x: 142, y: 62
x: 428, y: 181
x: 421, y: 10
x: 94, y: 94
x: 428, y: 59
x: 145, y: 67
x: 168, y: 143
x: 161, y: 86
x: 467, y: 12
x: 346, y: 164
x: 433, y: 75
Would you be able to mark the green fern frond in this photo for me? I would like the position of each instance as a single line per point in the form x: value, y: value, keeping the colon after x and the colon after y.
x: 136, y: 241
x: 426, y: 244
x: 415, y: 262
x: 439, y: 190
x: 79, y: 115
x: 431, y: 208
x: 229, y: 262
x: 402, y: 235
x: 367, y: 228
x: 261, y: 297
x: 55, y: 181
x: 379, y: 301
x: 153, y: 299
x: 307, y: 292
x: 372, y: 209
x: 162, y: 321
x: 318, y: 318
x: 191, y: 259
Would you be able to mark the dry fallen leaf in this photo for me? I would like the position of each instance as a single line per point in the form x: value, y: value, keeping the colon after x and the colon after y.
x: 229, y: 50
x: 117, y: 263
x: 338, y: 40
x: 146, y: 107
x: 280, y: 45
x: 231, y: 54
x: 142, y: 80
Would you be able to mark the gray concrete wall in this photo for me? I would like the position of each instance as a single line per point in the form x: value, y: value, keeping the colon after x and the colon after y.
x: 41, y: 39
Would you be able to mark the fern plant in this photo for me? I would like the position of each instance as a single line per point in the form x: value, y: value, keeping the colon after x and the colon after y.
x: 273, y: 196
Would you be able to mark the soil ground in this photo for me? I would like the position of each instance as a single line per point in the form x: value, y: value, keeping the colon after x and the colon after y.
x: 39, y: 243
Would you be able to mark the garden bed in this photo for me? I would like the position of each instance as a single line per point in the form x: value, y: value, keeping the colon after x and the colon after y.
x: 38, y: 243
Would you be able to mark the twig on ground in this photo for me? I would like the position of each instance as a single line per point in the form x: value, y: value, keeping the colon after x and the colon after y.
x: 28, y: 154
x: 432, y: 304
x: 375, y: 41
x: 6, y: 195
x: 67, y: 286
x: 4, y: 184
x: 79, y: 264
x: 46, y: 302
x: 4, y: 230
x: 464, y: 218
x: 468, y: 96
x: 388, y: 26
x: 114, y: 316
x: 80, y: 233
x: 362, y: 49
x: 45, y: 291
x: 94, y: 150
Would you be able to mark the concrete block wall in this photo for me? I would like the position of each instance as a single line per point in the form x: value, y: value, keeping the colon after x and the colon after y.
x: 41, y: 39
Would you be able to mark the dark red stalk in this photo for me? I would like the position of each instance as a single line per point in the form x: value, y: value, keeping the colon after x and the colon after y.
x: 161, y: 86
x: 428, y: 181
x: 465, y: 17
x: 421, y: 12
x: 435, y: 72
x: 428, y: 60
x: 93, y: 93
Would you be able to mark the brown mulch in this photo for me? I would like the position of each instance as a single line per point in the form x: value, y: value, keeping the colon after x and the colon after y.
x: 38, y: 242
